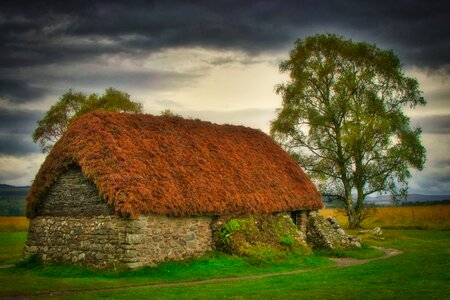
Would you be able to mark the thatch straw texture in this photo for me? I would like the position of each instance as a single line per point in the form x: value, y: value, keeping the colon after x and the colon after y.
x: 174, y: 166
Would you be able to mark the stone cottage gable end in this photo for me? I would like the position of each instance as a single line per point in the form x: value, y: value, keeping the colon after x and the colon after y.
x: 74, y: 225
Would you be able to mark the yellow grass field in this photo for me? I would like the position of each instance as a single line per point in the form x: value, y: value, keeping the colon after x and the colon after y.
x: 12, y: 224
x: 418, y: 217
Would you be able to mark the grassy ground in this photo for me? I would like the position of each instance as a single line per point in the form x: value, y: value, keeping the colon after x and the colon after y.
x: 423, y: 271
x: 11, y: 245
x: 47, y: 278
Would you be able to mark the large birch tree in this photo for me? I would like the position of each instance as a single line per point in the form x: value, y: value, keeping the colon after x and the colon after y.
x: 342, y: 118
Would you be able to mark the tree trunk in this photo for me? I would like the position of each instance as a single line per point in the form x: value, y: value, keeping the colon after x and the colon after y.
x: 353, y: 213
x: 353, y: 221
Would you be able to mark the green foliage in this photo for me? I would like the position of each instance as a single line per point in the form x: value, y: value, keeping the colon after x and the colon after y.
x: 286, y: 239
x: 342, y: 119
x: 264, y: 254
x: 50, y: 277
x: 11, y: 246
x: 228, y: 228
x: 168, y: 113
x: 32, y: 261
x: 72, y: 105
x: 260, y: 236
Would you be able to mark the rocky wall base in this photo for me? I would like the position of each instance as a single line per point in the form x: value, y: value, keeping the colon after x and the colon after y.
x: 113, y: 242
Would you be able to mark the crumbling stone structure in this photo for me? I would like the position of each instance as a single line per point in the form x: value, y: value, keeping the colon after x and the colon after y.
x: 326, y: 233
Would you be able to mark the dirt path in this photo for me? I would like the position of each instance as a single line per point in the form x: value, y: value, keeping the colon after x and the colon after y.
x: 6, y: 266
x: 340, y: 263
x: 345, y: 262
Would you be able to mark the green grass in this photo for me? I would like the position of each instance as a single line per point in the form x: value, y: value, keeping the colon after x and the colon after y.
x: 212, y: 265
x: 46, y: 278
x: 11, y: 245
x: 423, y: 271
x: 366, y: 251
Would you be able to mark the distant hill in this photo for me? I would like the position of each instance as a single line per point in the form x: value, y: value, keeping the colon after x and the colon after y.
x: 410, y: 199
x: 12, y: 200
x: 2, y: 185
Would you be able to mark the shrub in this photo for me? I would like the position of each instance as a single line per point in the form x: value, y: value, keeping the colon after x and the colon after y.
x: 259, y: 254
x: 286, y: 240
x: 259, y: 236
x: 31, y: 261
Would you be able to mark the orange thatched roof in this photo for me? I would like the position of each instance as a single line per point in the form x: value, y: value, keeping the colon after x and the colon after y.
x: 169, y: 165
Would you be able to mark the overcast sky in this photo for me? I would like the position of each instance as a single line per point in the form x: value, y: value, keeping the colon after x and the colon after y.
x: 215, y: 60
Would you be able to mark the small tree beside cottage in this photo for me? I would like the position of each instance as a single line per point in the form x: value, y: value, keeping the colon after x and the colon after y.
x: 71, y: 105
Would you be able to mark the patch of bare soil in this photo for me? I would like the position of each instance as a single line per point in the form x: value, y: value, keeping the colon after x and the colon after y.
x: 345, y: 262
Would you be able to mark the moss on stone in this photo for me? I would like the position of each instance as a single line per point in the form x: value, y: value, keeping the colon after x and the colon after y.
x: 262, y: 237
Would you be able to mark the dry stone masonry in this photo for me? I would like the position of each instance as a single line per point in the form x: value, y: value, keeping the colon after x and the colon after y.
x: 74, y: 225
x: 326, y: 233
x: 112, y: 242
x: 73, y: 195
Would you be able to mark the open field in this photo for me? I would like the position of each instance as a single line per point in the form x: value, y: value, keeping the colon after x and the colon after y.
x: 13, y: 224
x: 435, y: 217
x: 422, y: 271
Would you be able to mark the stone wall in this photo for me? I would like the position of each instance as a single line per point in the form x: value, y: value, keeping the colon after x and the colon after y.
x: 112, y: 242
x: 326, y: 233
x: 74, y: 225
x: 73, y: 195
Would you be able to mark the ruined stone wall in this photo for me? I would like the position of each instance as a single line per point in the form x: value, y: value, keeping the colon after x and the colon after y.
x: 74, y: 225
x: 111, y: 241
x: 326, y: 233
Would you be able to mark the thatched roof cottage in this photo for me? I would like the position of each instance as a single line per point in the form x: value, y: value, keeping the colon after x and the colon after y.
x: 127, y: 189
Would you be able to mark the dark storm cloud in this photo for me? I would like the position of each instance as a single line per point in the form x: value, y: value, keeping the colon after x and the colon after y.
x: 47, y: 32
x: 151, y: 79
x: 16, y: 127
x: 434, y: 179
x: 433, y: 124
x: 15, y: 144
x: 18, y: 121
x: 19, y: 91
